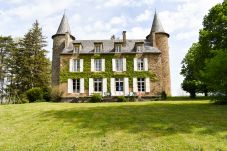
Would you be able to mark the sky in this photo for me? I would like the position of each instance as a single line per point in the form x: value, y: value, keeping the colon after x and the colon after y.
x: 99, y: 19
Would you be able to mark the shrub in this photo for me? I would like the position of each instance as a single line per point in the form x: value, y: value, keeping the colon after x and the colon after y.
x: 34, y: 94
x: 163, y: 95
x: 47, y: 93
x: 56, y: 94
x: 132, y: 98
x: 121, y: 99
x: 96, y: 98
x: 22, y: 99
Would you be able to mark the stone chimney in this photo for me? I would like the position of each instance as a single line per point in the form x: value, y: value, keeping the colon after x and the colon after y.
x: 124, y: 38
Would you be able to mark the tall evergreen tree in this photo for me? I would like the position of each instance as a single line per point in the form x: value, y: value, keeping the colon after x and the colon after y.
x: 6, y: 45
x: 28, y: 64
x: 38, y: 65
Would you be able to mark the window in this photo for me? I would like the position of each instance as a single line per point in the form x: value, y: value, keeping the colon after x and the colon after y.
x: 140, y: 64
x: 139, y: 48
x: 119, y: 84
x: 76, y: 85
x: 97, y: 48
x: 119, y: 64
x: 141, y: 84
x: 98, y: 85
x: 76, y: 65
x: 77, y: 48
x: 98, y: 64
x: 118, y: 48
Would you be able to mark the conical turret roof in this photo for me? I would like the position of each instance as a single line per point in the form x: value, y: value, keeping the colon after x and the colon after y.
x: 64, y: 26
x: 157, y: 25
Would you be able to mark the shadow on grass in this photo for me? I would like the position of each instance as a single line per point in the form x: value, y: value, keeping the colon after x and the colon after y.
x: 157, y: 119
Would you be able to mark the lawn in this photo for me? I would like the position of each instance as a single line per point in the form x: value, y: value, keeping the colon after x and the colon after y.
x: 142, y: 126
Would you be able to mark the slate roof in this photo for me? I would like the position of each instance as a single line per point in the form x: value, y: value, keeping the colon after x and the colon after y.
x: 64, y: 26
x: 157, y: 25
x: 108, y: 46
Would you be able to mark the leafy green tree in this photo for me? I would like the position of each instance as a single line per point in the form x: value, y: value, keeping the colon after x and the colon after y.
x: 213, y: 35
x: 212, y: 39
x: 190, y: 70
x: 215, y: 73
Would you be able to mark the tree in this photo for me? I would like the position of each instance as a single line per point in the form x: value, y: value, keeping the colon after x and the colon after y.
x: 212, y: 39
x: 28, y: 64
x: 215, y: 73
x: 6, y: 45
x: 38, y: 65
x: 213, y: 35
x: 191, y: 71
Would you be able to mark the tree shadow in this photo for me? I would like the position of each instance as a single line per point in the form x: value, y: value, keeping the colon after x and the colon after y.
x: 160, y: 119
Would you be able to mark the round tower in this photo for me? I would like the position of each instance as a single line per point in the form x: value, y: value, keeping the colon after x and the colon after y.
x: 159, y: 39
x: 59, y: 40
x: 162, y: 44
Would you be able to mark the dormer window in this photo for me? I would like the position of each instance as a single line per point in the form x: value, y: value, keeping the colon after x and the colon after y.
x: 117, y: 47
x: 98, y: 47
x: 139, y: 47
x: 77, y: 47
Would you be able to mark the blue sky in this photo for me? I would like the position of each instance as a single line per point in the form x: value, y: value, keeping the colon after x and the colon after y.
x: 99, y: 19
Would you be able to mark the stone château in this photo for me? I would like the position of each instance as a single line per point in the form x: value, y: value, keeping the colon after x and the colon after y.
x: 113, y: 67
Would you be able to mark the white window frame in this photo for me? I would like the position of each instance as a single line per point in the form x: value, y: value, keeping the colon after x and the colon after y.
x: 139, y: 48
x: 141, y: 85
x: 97, y: 48
x: 77, y: 48
x: 118, y: 82
x: 140, y: 64
x: 118, y: 47
x: 76, y: 85
x: 98, y: 64
x: 99, y: 83
x: 76, y: 65
x: 119, y: 64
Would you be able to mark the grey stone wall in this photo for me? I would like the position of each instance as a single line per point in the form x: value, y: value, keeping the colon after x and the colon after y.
x: 58, y: 46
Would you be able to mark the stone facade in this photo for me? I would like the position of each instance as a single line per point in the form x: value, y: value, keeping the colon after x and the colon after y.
x: 155, y: 50
x: 154, y: 66
x: 162, y: 44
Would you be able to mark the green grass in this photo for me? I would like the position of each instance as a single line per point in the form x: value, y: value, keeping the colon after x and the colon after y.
x: 142, y: 126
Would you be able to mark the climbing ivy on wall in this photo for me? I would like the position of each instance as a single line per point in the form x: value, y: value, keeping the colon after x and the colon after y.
x: 108, y: 73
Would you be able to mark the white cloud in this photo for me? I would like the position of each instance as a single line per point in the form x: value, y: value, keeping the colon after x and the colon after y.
x: 118, y: 21
x: 129, y: 3
x: 188, y: 15
x: 146, y: 15
x: 187, y: 35
x: 38, y: 9
x: 138, y: 33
